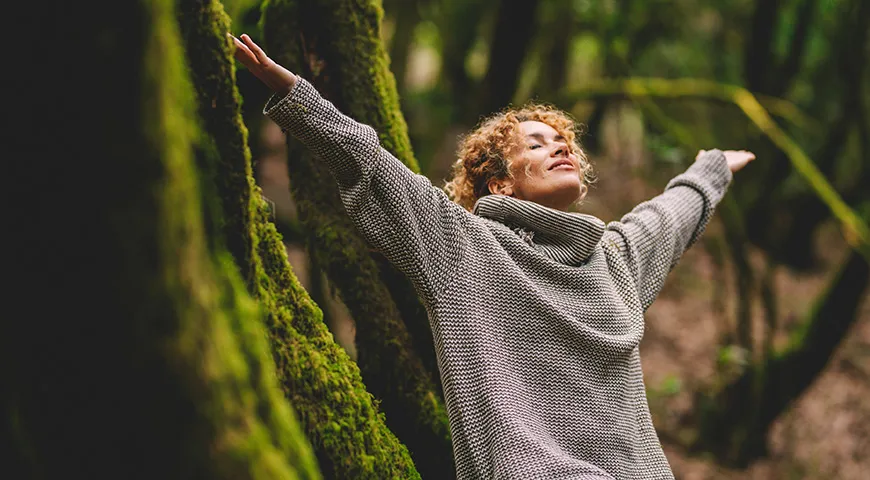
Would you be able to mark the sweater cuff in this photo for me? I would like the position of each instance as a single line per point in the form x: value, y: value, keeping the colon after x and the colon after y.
x: 709, y: 176
x: 711, y: 169
x: 287, y: 110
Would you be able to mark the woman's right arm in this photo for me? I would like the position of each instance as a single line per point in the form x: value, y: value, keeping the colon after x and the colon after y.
x: 398, y: 212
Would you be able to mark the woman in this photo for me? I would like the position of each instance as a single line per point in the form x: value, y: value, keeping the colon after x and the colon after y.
x: 536, y: 313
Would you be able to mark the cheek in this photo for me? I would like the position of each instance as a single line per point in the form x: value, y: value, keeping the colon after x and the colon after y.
x: 534, y: 165
x: 522, y: 167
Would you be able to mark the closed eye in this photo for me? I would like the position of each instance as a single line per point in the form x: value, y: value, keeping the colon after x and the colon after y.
x: 534, y: 146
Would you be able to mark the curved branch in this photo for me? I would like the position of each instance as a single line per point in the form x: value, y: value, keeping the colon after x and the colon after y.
x: 686, y: 88
x: 855, y: 230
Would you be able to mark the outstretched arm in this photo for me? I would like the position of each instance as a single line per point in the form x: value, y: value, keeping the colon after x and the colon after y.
x: 653, y: 237
x: 398, y: 212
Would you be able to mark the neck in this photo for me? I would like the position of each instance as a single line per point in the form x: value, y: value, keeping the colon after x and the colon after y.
x: 555, y: 203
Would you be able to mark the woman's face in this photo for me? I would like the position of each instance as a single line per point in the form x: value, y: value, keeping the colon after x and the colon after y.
x: 545, y: 169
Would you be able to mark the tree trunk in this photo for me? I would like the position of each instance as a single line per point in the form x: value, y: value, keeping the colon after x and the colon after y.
x: 513, y: 33
x: 759, y: 49
x: 407, y: 17
x: 336, y: 45
x: 148, y: 359
x: 553, y: 78
x: 459, y: 25
x: 735, y: 420
x: 348, y: 434
x: 798, y: 216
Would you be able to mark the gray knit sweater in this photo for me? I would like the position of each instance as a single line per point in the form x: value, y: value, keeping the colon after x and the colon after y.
x: 536, y: 313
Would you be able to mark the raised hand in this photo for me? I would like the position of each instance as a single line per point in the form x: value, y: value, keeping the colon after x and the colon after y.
x: 277, y: 78
x: 736, y: 159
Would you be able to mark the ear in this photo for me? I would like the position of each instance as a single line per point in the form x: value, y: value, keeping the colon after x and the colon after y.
x: 504, y: 186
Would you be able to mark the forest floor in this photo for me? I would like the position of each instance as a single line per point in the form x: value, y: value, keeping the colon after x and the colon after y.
x: 825, y: 434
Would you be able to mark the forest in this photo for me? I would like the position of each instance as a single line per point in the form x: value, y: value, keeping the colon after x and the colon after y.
x: 190, y: 299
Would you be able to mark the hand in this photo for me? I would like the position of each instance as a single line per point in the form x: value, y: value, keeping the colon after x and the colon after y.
x: 736, y: 159
x: 276, y: 77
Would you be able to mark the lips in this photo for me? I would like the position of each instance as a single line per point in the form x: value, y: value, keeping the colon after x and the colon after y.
x: 561, y: 163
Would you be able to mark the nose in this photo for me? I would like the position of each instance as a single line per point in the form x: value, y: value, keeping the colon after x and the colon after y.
x: 561, y: 150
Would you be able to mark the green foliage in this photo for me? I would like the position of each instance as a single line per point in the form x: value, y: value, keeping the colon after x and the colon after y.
x: 669, y: 387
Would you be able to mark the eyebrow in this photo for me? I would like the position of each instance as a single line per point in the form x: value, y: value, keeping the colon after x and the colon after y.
x: 540, y: 137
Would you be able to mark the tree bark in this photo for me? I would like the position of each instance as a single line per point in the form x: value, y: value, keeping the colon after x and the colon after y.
x: 149, y: 360
x: 340, y: 417
x: 336, y: 45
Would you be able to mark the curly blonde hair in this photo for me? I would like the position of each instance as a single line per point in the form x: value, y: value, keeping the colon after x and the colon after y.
x: 484, y: 153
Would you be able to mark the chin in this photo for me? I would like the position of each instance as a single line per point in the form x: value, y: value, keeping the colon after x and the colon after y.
x: 568, y: 195
x: 574, y: 190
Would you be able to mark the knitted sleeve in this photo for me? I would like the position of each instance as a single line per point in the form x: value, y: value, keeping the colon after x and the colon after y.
x: 656, y: 233
x: 398, y: 212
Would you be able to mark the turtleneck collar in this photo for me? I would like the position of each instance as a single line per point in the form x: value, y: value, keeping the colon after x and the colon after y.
x: 568, y: 238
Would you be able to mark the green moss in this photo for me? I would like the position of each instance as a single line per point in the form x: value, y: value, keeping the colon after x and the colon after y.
x: 347, y: 63
x: 317, y: 376
x: 150, y: 361
x: 204, y: 27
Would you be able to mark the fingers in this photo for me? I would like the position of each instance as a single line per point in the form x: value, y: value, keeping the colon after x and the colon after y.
x: 244, y: 54
x: 737, y: 159
x: 260, y: 54
x: 276, y: 77
x: 746, y: 155
x: 742, y: 153
x: 249, y: 59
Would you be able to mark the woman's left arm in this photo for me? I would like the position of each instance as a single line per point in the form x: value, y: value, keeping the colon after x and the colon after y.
x: 653, y: 237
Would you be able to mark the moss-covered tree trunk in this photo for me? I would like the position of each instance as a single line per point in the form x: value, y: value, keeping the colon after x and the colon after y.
x: 144, y: 357
x: 348, y: 434
x: 336, y: 45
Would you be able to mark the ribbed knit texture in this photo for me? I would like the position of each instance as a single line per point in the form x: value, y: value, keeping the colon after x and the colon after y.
x: 536, y: 313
